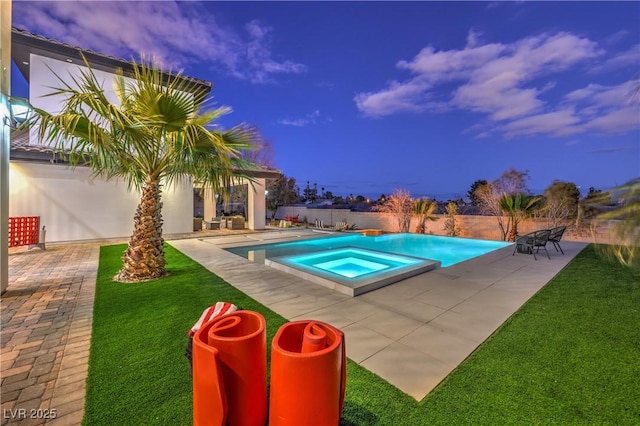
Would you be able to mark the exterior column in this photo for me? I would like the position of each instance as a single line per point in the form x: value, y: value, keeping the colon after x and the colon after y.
x: 5, y: 142
x: 257, y: 204
x: 209, y: 204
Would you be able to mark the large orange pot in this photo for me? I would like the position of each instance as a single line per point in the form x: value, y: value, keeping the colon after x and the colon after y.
x: 230, y: 371
x: 308, y: 375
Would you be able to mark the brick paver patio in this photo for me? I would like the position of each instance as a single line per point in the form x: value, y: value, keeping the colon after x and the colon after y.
x: 46, y: 330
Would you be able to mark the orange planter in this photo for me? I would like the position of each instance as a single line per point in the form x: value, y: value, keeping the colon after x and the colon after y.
x: 308, y: 375
x: 230, y: 371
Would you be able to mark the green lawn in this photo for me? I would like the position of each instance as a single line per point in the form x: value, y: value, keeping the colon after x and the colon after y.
x: 571, y: 355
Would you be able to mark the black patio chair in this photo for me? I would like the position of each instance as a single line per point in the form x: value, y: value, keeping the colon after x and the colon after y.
x: 532, y: 242
x: 555, y: 236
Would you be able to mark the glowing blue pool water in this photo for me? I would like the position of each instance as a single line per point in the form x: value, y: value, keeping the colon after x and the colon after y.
x: 350, y: 262
x: 447, y: 250
x: 354, y: 264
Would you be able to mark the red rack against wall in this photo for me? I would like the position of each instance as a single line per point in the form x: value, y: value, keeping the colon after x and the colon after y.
x: 24, y: 231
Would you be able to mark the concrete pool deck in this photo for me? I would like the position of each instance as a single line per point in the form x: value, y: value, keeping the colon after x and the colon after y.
x: 412, y: 333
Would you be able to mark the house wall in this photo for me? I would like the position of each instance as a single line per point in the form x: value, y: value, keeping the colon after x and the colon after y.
x: 472, y: 226
x: 45, y: 74
x: 71, y: 204
x: 74, y: 206
x: 43, y: 79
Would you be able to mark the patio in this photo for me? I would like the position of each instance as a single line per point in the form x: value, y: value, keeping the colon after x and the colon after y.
x: 426, y: 325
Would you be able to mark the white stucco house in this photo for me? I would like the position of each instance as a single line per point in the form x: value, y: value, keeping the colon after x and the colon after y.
x: 70, y: 202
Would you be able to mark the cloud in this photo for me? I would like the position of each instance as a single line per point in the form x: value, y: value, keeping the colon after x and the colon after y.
x: 398, y: 97
x: 179, y: 34
x: 557, y: 123
x: 508, y: 83
x: 307, y: 120
x: 607, y: 109
x: 618, y: 60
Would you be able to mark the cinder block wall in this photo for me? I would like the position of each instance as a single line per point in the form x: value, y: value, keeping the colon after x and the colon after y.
x: 482, y: 227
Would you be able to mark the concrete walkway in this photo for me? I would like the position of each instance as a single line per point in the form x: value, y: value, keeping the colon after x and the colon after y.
x: 412, y: 333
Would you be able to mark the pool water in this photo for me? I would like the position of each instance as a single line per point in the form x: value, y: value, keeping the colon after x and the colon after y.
x: 350, y: 263
x: 447, y: 250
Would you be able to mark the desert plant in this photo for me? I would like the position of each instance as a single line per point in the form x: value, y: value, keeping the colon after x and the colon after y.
x: 450, y: 221
x: 156, y: 134
x: 400, y: 206
x: 517, y: 208
x: 423, y: 208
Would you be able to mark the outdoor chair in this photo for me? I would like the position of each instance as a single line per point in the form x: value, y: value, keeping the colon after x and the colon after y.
x: 340, y: 226
x: 319, y: 224
x: 532, y: 242
x: 555, y: 236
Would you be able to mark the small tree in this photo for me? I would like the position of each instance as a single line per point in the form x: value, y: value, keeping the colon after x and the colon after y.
x: 491, y: 194
x: 159, y: 132
x: 517, y: 208
x: 423, y: 208
x: 472, y: 192
x: 489, y: 204
x: 280, y: 192
x: 450, y: 221
x: 400, y: 206
x: 512, y: 182
x: 561, y: 203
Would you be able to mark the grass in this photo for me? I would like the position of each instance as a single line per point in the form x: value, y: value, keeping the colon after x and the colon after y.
x: 569, y: 356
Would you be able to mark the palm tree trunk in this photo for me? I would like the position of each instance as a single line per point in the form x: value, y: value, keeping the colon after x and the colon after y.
x: 144, y: 257
x: 513, y: 232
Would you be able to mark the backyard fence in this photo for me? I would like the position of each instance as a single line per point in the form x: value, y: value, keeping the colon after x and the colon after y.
x: 470, y: 226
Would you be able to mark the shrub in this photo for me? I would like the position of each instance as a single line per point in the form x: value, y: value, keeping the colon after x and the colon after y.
x: 450, y: 221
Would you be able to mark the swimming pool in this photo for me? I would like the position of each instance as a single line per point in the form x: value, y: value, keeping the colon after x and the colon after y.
x: 354, y: 264
x: 447, y: 250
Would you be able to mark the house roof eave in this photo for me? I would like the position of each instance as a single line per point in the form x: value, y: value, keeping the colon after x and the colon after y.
x: 25, y: 43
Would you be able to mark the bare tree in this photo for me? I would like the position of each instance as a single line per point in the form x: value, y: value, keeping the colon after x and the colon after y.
x: 561, y: 203
x: 281, y: 191
x: 399, y: 204
x: 261, y: 153
x: 489, y: 201
x: 511, y: 182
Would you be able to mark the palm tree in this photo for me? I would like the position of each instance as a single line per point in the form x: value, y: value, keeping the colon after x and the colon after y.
x: 517, y: 207
x: 423, y: 208
x: 157, y: 135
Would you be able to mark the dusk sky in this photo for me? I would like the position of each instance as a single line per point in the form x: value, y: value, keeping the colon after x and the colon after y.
x: 368, y: 97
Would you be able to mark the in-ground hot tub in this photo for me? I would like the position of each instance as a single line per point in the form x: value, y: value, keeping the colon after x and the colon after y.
x: 352, y: 270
